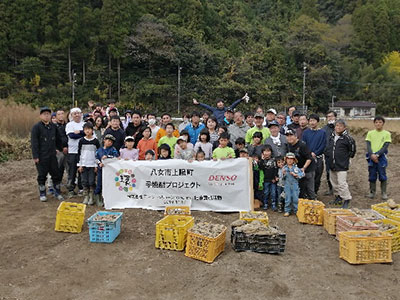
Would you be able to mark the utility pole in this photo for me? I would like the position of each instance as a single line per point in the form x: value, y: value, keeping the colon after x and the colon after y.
x: 73, y: 87
x: 333, y: 100
x: 179, y: 89
x: 304, y: 87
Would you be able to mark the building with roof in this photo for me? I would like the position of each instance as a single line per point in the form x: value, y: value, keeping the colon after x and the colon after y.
x: 354, y: 109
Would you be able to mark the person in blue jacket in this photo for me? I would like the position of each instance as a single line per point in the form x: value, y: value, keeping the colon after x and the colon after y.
x: 194, y: 127
x: 220, y: 110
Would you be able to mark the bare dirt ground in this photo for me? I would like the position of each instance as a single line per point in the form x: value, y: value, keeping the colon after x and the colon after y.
x: 38, y: 263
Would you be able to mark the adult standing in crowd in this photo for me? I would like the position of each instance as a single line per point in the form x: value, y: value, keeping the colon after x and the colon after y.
x: 152, y: 120
x: 291, y: 109
x: 165, y: 119
x: 258, y: 120
x: 194, y: 127
x: 281, y: 119
x: 329, y: 129
x: 305, y: 163
x: 303, y: 122
x: 228, y: 117
x: 62, y: 153
x: 270, y: 116
x: 249, y: 119
x: 74, y: 131
x: 220, y: 110
x: 276, y: 140
x: 212, y: 127
x: 340, y: 149
x: 45, y: 139
x: 135, y: 128
x: 315, y: 139
x: 237, y: 129
x: 295, y: 121
x: 186, y: 121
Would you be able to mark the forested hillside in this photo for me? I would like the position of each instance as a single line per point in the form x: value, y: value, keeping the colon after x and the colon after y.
x: 131, y: 51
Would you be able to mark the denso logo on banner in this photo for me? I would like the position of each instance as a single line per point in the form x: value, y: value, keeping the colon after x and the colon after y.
x: 222, y: 178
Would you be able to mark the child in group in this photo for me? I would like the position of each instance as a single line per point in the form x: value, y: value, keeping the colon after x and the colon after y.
x: 240, y: 144
x: 129, y: 153
x: 243, y: 153
x: 221, y: 130
x: 87, y: 166
x: 185, y: 134
x: 184, y: 152
x: 291, y: 175
x: 223, y: 151
x: 268, y: 165
x: 116, y: 131
x: 204, y: 144
x: 149, y: 155
x: 107, y: 151
x: 165, y: 151
x: 200, y: 155
x: 378, y: 141
x: 256, y: 147
x: 258, y: 179
x: 280, y: 194
x: 146, y: 143
x: 169, y: 138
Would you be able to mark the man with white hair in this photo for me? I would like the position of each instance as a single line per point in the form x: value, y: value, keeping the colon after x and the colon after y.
x: 74, y: 131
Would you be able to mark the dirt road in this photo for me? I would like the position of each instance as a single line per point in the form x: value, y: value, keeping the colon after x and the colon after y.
x: 38, y: 263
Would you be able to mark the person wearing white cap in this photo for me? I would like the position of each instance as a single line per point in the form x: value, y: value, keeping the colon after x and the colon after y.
x: 270, y: 116
x: 74, y: 131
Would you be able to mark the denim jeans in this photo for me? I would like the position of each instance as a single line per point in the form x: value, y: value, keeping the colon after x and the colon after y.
x: 98, y: 189
x: 291, y: 197
x: 269, y: 191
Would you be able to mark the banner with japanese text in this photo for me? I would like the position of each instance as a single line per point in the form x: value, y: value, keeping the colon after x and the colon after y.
x: 207, y: 186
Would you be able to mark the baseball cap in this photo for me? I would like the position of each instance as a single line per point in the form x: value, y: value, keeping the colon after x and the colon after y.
x: 230, y: 109
x: 109, y: 137
x: 290, y: 155
x: 271, y: 110
x: 273, y: 123
x: 181, y: 138
x: 259, y: 115
x: 296, y: 113
x: 44, y: 109
x: 290, y: 132
x: 243, y: 150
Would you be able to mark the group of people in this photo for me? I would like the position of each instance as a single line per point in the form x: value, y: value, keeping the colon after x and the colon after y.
x: 289, y: 151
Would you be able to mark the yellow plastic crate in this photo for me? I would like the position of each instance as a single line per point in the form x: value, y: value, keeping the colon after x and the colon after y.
x: 177, y: 210
x: 70, y: 217
x: 395, y: 232
x: 171, y: 232
x: 330, y: 215
x: 310, y: 212
x: 365, y: 247
x: 205, y: 248
x: 262, y: 216
x: 394, y: 218
x: 384, y: 210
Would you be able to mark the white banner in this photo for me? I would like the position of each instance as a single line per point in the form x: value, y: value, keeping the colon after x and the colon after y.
x: 207, y: 186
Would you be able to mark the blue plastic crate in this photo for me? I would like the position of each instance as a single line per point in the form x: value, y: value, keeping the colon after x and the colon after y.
x: 104, y: 231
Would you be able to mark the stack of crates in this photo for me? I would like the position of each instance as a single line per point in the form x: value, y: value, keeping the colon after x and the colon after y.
x: 171, y: 231
x: 330, y: 215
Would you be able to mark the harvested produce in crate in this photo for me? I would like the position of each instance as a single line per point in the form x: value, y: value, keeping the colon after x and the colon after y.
x: 251, y: 215
x: 208, y: 229
x: 392, y: 204
x: 366, y: 234
x: 385, y: 227
x: 257, y: 228
x: 367, y: 214
x: 105, y: 218
x: 358, y: 222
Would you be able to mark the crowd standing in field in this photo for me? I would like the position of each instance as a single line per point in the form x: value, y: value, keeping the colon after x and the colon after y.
x: 289, y: 152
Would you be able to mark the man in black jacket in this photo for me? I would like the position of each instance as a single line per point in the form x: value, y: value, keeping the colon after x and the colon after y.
x: 45, y: 139
x: 340, y: 148
x: 135, y: 127
x: 305, y: 162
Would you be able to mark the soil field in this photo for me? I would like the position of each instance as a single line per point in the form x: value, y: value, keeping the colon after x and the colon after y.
x: 38, y: 263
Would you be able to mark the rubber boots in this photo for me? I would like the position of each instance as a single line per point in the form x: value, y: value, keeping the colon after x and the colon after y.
x: 57, y: 192
x: 383, y: 190
x: 86, y: 197
x: 372, y: 190
x: 91, y: 198
x: 346, y: 204
x: 42, y: 193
